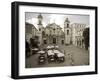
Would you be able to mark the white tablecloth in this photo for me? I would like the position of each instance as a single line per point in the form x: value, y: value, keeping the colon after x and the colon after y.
x: 60, y: 55
x: 41, y: 52
x: 35, y: 49
x: 50, y: 52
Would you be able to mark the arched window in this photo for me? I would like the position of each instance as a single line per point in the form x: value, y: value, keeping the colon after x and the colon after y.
x: 39, y: 29
x: 67, y: 32
x: 43, y: 33
x: 67, y: 25
x: 54, y: 30
x: 45, y: 41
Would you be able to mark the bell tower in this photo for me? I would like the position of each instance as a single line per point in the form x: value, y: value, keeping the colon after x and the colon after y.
x: 40, y: 28
x: 67, y: 31
x: 40, y: 18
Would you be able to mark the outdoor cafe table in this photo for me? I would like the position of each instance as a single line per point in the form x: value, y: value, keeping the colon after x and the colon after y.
x: 56, y: 51
x: 48, y: 47
x: 50, y: 52
x: 34, y: 50
x: 57, y: 47
x: 41, y: 52
x: 60, y: 55
x: 52, y: 46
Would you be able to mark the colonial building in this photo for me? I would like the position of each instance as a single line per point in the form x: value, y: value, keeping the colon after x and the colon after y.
x: 77, y: 34
x: 30, y: 31
x: 54, y: 34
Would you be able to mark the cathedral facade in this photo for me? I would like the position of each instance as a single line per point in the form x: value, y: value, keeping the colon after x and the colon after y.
x: 54, y: 34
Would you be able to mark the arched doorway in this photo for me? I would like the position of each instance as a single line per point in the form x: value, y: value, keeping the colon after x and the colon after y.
x: 54, y: 40
x: 62, y: 42
x: 43, y: 33
x: 45, y: 41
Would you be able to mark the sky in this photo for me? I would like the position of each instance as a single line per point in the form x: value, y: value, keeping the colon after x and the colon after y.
x: 59, y: 19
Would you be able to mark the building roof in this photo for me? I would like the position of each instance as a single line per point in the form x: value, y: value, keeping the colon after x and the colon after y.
x: 53, y: 25
x: 31, y: 25
x: 75, y: 25
x: 26, y: 23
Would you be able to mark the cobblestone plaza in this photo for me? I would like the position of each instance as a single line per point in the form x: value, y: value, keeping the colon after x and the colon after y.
x: 79, y: 57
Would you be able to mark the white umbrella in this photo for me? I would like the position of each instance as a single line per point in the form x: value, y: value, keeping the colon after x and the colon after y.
x: 56, y: 51
x: 41, y: 52
x: 52, y: 46
x: 56, y: 46
x: 35, y: 49
x: 48, y: 47
x: 60, y: 55
x: 50, y: 52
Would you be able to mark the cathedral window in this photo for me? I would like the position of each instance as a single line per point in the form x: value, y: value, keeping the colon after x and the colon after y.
x: 39, y: 29
x: 67, y: 25
x: 43, y: 33
x: 54, y: 30
x: 67, y: 32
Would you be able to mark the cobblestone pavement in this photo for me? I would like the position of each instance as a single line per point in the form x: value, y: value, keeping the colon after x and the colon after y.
x: 74, y: 56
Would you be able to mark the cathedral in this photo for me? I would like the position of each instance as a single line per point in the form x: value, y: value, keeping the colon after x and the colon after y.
x: 53, y: 33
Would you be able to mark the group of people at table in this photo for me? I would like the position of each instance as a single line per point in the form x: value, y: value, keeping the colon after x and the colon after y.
x: 52, y: 54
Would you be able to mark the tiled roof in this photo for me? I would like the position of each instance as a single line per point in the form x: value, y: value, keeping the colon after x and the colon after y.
x: 26, y: 23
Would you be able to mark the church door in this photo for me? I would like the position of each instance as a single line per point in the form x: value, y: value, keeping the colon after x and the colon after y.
x: 62, y: 42
x: 54, y: 40
x: 45, y: 42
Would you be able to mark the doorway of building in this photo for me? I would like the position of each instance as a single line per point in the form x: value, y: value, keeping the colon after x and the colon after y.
x: 62, y: 42
x: 54, y: 40
x: 45, y: 42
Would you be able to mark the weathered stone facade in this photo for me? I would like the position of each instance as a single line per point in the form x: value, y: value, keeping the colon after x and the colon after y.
x: 54, y: 34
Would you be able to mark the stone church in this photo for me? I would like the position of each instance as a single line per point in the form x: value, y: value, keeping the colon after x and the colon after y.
x: 54, y: 34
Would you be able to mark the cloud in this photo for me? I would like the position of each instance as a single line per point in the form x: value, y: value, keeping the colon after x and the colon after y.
x: 56, y: 18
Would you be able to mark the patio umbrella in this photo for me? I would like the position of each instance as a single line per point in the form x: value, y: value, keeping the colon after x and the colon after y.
x: 35, y: 49
x: 41, y: 52
x: 56, y: 46
x: 50, y: 52
x: 48, y: 47
x: 60, y: 55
